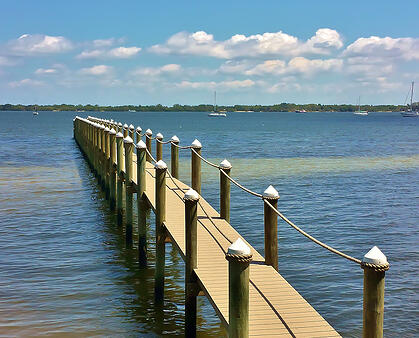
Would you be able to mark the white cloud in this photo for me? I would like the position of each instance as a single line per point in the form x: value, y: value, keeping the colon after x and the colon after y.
x: 26, y: 82
x: 155, y: 71
x: 43, y: 71
x: 36, y: 44
x: 99, y: 43
x: 97, y: 70
x: 4, y: 61
x: 302, y: 65
x: 235, y: 84
x: 258, y: 45
x: 374, y: 46
x: 115, y: 53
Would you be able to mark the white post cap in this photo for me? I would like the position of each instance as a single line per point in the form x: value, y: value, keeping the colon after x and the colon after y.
x: 271, y: 193
x: 141, y: 145
x: 112, y: 132
x: 196, y: 144
x: 175, y: 139
x: 128, y: 140
x: 160, y: 165
x: 119, y: 135
x: 149, y: 132
x: 125, y: 126
x: 159, y: 136
x: 238, y: 248
x: 139, y: 129
x: 375, y: 256
x: 101, y: 126
x: 225, y: 164
x: 131, y: 127
x: 107, y: 130
x: 191, y: 195
x: 120, y: 124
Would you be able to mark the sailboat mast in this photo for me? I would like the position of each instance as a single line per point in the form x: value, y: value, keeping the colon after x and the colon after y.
x: 411, y: 97
x: 215, y: 100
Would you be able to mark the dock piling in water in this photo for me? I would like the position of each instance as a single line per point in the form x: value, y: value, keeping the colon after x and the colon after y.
x: 271, y: 227
x: 148, y: 139
x: 112, y: 169
x: 174, y: 156
x: 159, y: 147
x: 196, y: 148
x: 128, y: 146
x: 120, y: 178
x: 141, y: 204
x: 225, y: 166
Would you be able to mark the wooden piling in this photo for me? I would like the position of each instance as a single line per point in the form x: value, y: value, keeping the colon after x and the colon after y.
x: 107, y: 162
x: 160, y: 190
x: 112, y: 169
x: 159, y: 147
x: 128, y: 145
x: 141, y: 204
x: 120, y: 179
x: 225, y: 167
x: 131, y: 132
x: 138, y: 134
x: 125, y: 130
x: 196, y: 165
x: 191, y: 261
x: 174, y: 156
x: 239, y: 258
x: 148, y: 139
x: 271, y: 227
x: 374, y: 264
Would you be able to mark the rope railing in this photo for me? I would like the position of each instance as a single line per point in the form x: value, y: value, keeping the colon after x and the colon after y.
x: 353, y: 259
x: 205, y: 160
x: 163, y: 142
x: 151, y: 156
x: 181, y: 147
x: 241, y: 186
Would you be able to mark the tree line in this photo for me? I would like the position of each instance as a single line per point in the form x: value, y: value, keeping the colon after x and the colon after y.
x: 281, y: 107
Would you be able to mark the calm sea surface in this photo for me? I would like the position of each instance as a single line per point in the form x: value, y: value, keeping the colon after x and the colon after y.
x: 351, y: 181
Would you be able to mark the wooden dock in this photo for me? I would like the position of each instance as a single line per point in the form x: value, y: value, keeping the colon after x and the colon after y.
x: 275, y: 308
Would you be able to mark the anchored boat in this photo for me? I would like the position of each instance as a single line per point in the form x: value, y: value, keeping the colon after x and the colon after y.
x: 215, y: 112
x: 410, y: 112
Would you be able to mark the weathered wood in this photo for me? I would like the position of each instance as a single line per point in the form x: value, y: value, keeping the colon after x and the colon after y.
x: 112, y: 169
x: 120, y: 180
x: 271, y: 227
x: 128, y: 146
x: 148, y: 139
x: 196, y: 166
x: 159, y: 147
x: 225, y: 167
x: 174, y: 156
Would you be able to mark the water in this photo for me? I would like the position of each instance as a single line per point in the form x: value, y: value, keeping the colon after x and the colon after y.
x: 350, y: 181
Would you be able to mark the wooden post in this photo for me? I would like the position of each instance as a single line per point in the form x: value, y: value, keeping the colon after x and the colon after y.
x: 138, y: 133
x: 141, y: 204
x: 148, y: 139
x: 174, y: 159
x: 125, y: 130
x: 191, y: 261
x: 160, y: 189
x: 128, y: 145
x: 159, y: 147
x: 374, y: 264
x: 196, y: 166
x: 239, y: 257
x: 271, y: 227
x: 131, y: 132
x: 120, y: 180
x: 107, y: 162
x: 225, y: 166
x: 112, y: 169
x: 102, y: 156
x: 120, y: 128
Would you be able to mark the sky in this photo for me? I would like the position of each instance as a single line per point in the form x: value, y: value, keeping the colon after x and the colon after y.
x: 180, y: 52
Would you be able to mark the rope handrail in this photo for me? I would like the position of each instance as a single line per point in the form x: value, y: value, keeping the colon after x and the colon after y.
x: 151, y: 156
x: 150, y: 138
x: 205, y: 160
x: 353, y: 259
x: 180, y: 147
x: 241, y: 186
x: 163, y: 142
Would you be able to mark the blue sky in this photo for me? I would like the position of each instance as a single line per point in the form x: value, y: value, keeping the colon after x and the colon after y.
x: 266, y: 52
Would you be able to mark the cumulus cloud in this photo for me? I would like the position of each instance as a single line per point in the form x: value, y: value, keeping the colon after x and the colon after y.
x: 115, y: 53
x: 405, y: 48
x: 99, y: 43
x: 97, y: 70
x: 26, y: 82
x: 258, y: 45
x: 5, y: 61
x: 235, y: 84
x: 37, y: 44
x: 154, y: 71
x: 43, y: 71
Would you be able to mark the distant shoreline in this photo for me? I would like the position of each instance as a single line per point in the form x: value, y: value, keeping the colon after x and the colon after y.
x: 282, y: 107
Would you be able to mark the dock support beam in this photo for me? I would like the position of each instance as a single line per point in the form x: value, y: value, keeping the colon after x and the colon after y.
x: 225, y: 168
x: 196, y: 165
x: 271, y: 196
x: 141, y: 204
x: 128, y: 145
x: 161, y: 168
x: 375, y: 265
x: 120, y: 179
x: 191, y: 261
x: 239, y: 258
x: 174, y: 156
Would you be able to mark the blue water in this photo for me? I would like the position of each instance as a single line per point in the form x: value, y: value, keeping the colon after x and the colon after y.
x: 351, y: 181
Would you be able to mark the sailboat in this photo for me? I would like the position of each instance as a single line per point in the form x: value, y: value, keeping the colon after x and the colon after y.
x: 359, y: 111
x: 410, y: 112
x: 215, y: 112
x: 35, y: 112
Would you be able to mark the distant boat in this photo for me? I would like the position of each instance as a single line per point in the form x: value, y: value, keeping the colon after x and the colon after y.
x: 410, y: 112
x: 35, y: 113
x: 359, y: 111
x: 132, y: 111
x: 301, y: 111
x: 215, y: 112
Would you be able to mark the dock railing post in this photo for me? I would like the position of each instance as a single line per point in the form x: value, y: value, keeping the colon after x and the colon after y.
x: 128, y: 145
x: 102, y: 155
x: 225, y: 166
x: 125, y: 130
x: 160, y: 190
x: 141, y: 204
x: 159, y: 147
x: 112, y: 169
x: 138, y: 133
x: 271, y: 227
x: 196, y: 166
x: 120, y: 128
x: 191, y: 261
x: 375, y: 265
x: 148, y: 139
x: 239, y: 257
x: 174, y: 156
x: 131, y: 132
x: 120, y: 180
x: 95, y: 146
x: 107, y: 156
